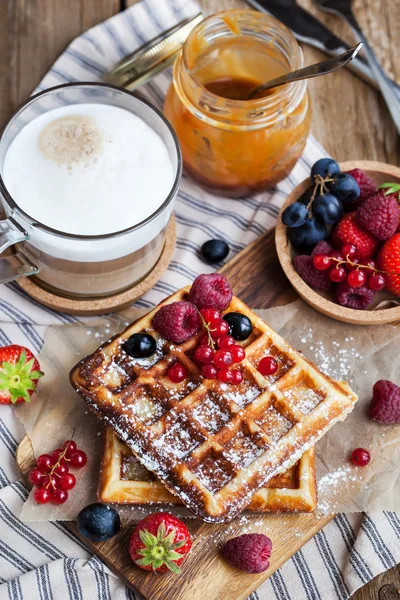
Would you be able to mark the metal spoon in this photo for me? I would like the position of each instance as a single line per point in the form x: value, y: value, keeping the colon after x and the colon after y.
x: 321, y: 68
x: 342, y: 8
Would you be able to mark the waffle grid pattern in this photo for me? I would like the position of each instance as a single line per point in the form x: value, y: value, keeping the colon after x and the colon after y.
x: 212, y: 443
x: 124, y: 480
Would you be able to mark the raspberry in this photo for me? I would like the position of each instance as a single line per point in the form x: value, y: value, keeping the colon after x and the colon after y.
x: 379, y: 215
x: 249, y: 552
x: 348, y: 231
x: 318, y: 280
x: 211, y: 291
x: 365, y: 183
x: 385, y: 404
x: 177, y: 322
x: 359, y: 298
x: 322, y: 248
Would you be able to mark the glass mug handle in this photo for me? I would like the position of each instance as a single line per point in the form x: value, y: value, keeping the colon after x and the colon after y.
x: 14, y: 265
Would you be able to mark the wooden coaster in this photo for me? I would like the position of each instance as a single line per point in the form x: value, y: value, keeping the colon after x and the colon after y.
x: 99, y: 306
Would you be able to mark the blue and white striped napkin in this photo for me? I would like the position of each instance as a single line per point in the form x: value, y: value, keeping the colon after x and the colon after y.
x: 44, y: 561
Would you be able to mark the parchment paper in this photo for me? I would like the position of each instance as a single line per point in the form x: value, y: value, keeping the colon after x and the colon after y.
x: 358, y: 354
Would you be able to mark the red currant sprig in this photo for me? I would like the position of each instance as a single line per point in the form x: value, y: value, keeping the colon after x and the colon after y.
x: 51, y: 474
x: 345, y: 265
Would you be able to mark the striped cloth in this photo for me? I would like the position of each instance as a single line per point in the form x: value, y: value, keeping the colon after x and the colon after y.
x: 44, y: 561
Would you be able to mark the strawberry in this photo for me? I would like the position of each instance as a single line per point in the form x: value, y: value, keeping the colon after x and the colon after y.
x: 347, y: 231
x: 19, y: 374
x: 160, y: 543
x: 389, y: 260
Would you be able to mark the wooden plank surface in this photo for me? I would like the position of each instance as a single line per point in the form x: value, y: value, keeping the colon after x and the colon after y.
x: 258, y: 280
x: 349, y: 118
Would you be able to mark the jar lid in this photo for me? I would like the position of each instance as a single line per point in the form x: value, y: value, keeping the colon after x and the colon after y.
x: 151, y: 58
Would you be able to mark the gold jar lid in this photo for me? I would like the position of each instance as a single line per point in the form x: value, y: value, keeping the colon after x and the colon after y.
x: 153, y: 57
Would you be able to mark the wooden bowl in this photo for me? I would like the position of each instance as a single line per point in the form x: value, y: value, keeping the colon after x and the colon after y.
x: 380, y: 173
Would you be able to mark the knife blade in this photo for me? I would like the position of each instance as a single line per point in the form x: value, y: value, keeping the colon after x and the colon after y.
x: 309, y: 30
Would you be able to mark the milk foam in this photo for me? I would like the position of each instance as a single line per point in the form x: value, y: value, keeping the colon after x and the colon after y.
x: 88, y: 169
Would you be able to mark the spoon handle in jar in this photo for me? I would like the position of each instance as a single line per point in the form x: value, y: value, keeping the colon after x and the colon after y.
x: 321, y: 68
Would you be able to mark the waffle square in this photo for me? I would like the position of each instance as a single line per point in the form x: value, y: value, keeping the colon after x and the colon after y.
x: 212, y: 444
x: 124, y: 480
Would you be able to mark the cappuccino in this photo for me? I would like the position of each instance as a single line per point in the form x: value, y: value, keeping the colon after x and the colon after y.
x: 88, y: 169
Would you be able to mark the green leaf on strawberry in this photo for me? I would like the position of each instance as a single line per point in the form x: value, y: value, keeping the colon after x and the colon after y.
x: 18, y: 376
x: 391, y: 188
x: 160, y: 550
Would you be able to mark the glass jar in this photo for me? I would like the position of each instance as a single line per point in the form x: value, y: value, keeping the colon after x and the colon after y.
x: 83, y: 266
x: 232, y: 145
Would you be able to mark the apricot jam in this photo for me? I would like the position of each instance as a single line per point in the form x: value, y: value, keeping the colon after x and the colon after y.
x: 230, y: 144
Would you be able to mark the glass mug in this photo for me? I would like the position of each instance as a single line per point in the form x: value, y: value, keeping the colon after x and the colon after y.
x: 83, y: 266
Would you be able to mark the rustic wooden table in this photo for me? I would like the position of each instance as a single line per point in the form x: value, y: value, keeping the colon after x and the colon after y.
x: 349, y: 118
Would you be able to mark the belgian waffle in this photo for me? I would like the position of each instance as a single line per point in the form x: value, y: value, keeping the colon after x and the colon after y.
x: 124, y: 480
x: 212, y: 444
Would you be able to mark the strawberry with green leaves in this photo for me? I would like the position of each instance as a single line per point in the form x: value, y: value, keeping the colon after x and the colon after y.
x: 160, y: 543
x: 19, y: 374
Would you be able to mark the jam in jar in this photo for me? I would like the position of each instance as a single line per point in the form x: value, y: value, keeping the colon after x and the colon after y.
x: 233, y: 145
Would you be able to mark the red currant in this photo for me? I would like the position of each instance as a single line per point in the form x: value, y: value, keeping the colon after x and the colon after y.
x: 35, y: 476
x: 223, y: 358
x: 372, y: 264
x: 44, y: 462
x: 78, y: 459
x: 226, y: 342
x: 322, y: 262
x: 59, y: 496
x: 208, y: 371
x: 67, y: 482
x: 203, y: 341
x: 50, y: 482
x: 351, y: 266
x: 41, y: 495
x: 336, y: 254
x: 220, y: 330
x: 356, y: 278
x: 238, y: 354
x: 211, y: 316
x: 55, y: 457
x: 225, y: 375
x: 349, y: 251
x: 338, y: 274
x: 61, y: 470
x: 360, y: 457
x: 176, y: 373
x: 376, y: 282
x: 237, y: 376
x: 204, y: 355
x: 268, y: 366
x: 70, y: 444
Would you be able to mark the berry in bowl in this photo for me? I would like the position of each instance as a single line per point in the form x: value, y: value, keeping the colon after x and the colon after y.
x: 338, y: 240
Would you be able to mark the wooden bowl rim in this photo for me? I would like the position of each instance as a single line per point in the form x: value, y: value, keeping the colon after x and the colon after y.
x: 312, y: 297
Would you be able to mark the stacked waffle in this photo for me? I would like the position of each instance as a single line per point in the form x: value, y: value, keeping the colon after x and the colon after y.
x: 218, y: 448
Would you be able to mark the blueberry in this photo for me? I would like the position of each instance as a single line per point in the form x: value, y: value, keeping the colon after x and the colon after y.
x: 327, y: 208
x: 240, y: 326
x: 308, y: 235
x: 98, y: 522
x: 346, y: 188
x: 326, y: 167
x: 140, y: 345
x: 214, y: 251
x: 306, y: 196
x: 295, y: 215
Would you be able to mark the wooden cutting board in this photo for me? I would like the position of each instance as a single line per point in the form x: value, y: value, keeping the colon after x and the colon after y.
x: 257, y: 278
